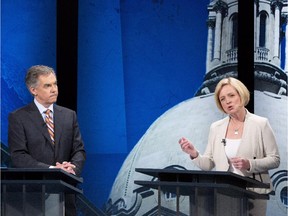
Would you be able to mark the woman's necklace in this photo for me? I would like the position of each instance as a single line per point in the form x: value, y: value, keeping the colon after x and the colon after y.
x: 236, y: 130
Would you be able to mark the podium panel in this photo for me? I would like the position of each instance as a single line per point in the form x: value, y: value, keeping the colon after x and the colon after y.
x: 210, y: 193
x: 36, y: 191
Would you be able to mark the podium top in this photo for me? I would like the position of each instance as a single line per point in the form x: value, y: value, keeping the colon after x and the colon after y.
x: 23, y: 180
x: 199, y: 176
x: 39, y: 174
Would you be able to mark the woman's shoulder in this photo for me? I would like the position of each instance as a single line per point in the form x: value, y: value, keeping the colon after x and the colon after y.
x: 256, y: 118
x: 220, y: 122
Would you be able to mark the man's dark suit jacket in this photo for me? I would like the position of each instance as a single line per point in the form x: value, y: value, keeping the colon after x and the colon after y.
x: 31, y: 146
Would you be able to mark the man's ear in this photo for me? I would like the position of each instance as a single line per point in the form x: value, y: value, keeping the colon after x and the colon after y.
x: 33, y: 91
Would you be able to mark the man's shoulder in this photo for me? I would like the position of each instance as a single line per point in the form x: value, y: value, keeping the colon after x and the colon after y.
x: 24, y: 109
x: 62, y: 109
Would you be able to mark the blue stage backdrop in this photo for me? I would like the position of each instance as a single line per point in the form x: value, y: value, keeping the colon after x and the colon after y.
x: 28, y: 37
x: 137, y: 59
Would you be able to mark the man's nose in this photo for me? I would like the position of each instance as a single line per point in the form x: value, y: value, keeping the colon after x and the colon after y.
x: 54, y: 88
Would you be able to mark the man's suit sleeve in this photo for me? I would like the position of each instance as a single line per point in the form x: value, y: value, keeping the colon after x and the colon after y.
x: 17, y: 145
x: 78, y: 155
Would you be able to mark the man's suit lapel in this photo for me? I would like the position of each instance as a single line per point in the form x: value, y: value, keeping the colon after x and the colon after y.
x: 36, y: 117
x: 58, y: 122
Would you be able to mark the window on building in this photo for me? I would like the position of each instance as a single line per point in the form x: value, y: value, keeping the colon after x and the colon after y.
x: 262, y: 35
x: 234, y: 42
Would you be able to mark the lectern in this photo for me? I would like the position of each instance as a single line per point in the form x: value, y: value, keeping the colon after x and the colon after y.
x: 29, y: 191
x: 210, y: 192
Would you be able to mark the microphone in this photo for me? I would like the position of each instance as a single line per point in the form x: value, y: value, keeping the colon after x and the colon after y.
x: 224, y: 141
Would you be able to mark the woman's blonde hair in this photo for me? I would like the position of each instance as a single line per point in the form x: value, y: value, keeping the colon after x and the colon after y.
x: 239, y: 87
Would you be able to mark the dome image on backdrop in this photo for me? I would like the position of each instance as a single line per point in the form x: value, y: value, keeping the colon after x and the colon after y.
x: 159, y: 148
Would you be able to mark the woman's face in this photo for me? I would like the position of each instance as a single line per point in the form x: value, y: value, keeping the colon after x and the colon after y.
x: 230, y: 99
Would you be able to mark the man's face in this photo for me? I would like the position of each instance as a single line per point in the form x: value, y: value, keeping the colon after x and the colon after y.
x: 46, y: 92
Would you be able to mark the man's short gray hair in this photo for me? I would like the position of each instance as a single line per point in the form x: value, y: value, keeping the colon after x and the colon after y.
x: 34, y: 72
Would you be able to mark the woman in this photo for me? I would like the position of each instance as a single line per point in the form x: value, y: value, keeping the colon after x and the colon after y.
x: 242, y: 142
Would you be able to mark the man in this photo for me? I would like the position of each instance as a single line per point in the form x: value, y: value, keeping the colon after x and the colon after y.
x: 41, y: 139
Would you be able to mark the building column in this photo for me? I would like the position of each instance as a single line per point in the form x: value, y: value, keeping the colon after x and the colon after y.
x: 217, y: 42
x: 220, y: 8
x: 286, y: 46
x: 277, y: 8
x: 211, y: 26
x: 256, y: 25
